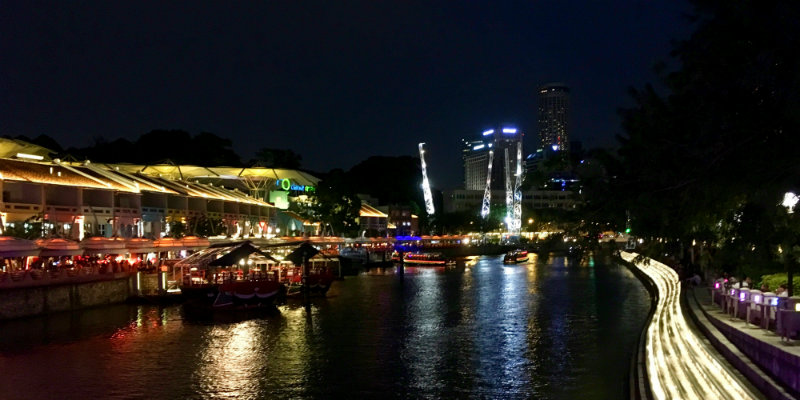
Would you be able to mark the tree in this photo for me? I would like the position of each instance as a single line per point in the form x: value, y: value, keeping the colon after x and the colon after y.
x: 336, y: 204
x: 694, y: 161
x: 392, y: 180
x: 159, y: 145
x: 277, y: 158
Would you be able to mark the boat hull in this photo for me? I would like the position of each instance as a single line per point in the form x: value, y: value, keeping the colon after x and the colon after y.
x: 426, y: 260
x: 515, y: 258
x: 234, y: 296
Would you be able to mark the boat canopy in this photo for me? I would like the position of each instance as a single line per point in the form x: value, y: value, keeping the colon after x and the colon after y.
x: 304, y: 251
x: 223, y: 255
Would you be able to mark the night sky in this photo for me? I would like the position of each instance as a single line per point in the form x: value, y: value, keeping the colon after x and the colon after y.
x: 336, y: 81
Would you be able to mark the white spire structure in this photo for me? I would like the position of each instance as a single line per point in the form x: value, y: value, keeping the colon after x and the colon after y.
x: 509, y: 192
x: 426, y: 186
x: 487, y: 193
x: 517, y: 218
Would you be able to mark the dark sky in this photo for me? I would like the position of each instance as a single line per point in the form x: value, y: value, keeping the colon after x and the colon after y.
x: 336, y: 81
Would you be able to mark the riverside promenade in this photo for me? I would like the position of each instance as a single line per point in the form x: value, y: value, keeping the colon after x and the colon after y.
x: 772, y: 364
x: 680, y: 363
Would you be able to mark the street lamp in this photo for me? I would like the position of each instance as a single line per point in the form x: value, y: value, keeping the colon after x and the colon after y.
x: 789, y: 201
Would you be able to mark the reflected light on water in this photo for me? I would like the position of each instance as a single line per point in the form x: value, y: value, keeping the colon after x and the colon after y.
x: 230, y: 360
x: 425, y: 322
x: 513, y: 322
x: 541, y: 329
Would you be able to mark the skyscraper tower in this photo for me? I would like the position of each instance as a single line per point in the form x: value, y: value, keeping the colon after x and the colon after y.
x: 554, y: 117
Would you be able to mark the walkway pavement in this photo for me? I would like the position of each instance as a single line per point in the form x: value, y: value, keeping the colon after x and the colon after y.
x: 743, y: 344
x: 704, y: 298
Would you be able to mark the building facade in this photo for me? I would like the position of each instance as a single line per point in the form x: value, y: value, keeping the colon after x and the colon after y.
x: 475, y: 154
x: 76, y: 200
x: 460, y: 200
x: 554, y: 117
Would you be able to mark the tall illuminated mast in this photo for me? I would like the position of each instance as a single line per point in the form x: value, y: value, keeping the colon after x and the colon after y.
x: 509, y: 192
x: 426, y: 186
x: 487, y: 193
x: 517, y: 218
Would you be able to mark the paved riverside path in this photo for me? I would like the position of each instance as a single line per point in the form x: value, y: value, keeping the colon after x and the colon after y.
x: 680, y: 364
x: 753, y: 330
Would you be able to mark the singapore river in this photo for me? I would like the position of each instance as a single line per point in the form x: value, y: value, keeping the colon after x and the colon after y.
x: 547, y: 329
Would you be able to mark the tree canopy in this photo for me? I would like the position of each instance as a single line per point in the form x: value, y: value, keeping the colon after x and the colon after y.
x: 157, y: 146
x: 277, y: 158
x: 711, y: 156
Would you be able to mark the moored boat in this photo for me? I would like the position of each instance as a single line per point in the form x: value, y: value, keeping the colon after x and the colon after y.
x: 248, y: 294
x: 318, y: 281
x: 426, y: 259
x: 515, y: 256
x: 229, y: 276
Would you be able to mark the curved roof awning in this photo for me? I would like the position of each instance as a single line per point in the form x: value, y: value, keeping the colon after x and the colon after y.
x: 106, y: 245
x: 194, y: 243
x: 140, y: 245
x: 58, y: 247
x: 167, y: 244
x: 16, y: 247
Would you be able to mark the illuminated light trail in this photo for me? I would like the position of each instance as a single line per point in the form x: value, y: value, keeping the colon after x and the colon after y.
x: 509, y: 193
x: 679, y: 363
x: 487, y: 193
x: 426, y: 186
x: 517, y: 202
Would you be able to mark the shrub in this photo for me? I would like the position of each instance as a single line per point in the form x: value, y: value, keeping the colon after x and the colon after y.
x: 775, y: 280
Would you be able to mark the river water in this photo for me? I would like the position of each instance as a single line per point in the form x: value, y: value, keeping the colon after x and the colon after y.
x: 550, y: 329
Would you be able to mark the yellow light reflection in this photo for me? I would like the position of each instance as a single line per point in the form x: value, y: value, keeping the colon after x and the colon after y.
x: 679, y: 363
x: 230, y: 360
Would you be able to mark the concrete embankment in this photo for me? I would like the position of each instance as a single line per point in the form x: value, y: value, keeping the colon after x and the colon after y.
x: 40, y: 300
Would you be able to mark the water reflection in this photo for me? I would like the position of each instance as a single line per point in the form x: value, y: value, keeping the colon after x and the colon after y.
x: 547, y: 328
x: 230, y: 360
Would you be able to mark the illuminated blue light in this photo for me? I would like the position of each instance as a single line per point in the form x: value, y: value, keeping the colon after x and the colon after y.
x: 555, y: 147
x: 489, y: 132
x: 478, y: 147
x: 509, y: 130
x: 407, y: 237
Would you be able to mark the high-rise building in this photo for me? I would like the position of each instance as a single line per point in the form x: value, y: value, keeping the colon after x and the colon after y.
x: 554, y: 117
x: 476, y: 157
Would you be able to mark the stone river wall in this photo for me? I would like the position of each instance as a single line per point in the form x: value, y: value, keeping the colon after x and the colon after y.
x: 39, y: 300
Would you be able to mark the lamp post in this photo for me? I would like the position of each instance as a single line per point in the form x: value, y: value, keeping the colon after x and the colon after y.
x: 789, y: 201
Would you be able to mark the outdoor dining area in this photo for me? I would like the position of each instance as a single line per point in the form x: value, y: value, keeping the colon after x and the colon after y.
x: 244, y: 261
x: 27, y: 263
x: 766, y: 310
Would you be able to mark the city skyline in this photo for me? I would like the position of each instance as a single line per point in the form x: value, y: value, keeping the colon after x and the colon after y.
x: 324, y: 79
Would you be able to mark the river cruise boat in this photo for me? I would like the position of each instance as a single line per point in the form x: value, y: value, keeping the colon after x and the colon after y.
x: 515, y: 256
x: 396, y: 256
x: 318, y: 281
x: 426, y: 259
x: 229, y: 276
